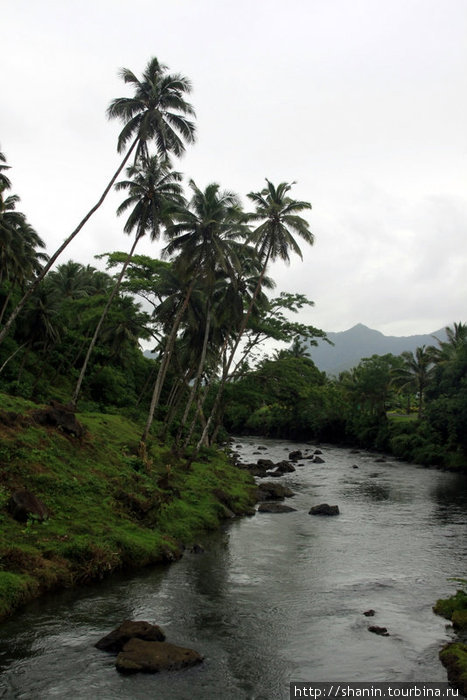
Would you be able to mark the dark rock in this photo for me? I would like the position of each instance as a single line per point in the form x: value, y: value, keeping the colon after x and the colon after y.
x: 380, y: 459
x: 318, y: 460
x: 151, y: 657
x: 197, y: 549
x: 270, y: 491
x: 324, y: 509
x: 275, y: 473
x: 295, y: 455
x: 355, y: 466
x: 265, y: 463
x: 274, y: 508
x: 261, y: 447
x: 61, y: 416
x: 116, y: 640
x: 317, y: 452
x: 382, y: 631
x: 354, y: 452
x: 369, y: 613
x: 24, y: 504
x: 237, y: 446
x: 284, y: 467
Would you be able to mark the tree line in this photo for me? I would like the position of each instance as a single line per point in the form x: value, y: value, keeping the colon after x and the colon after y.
x: 413, y: 405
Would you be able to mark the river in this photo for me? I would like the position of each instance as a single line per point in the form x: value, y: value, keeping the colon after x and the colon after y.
x: 274, y: 598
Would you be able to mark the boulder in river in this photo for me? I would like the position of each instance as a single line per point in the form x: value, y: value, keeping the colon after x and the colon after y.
x: 265, y: 463
x: 275, y: 508
x: 382, y: 631
x: 24, y: 504
x: 150, y: 657
x: 129, y: 629
x: 318, y: 460
x: 295, y: 455
x: 369, y: 613
x: 324, y: 509
x: 270, y: 491
x: 285, y: 467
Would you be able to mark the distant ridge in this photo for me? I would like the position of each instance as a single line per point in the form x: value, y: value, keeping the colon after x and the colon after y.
x: 360, y: 341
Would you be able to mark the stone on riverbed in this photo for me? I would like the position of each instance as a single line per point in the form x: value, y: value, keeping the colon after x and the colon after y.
x: 115, y: 640
x: 295, y: 455
x: 285, y: 467
x: 382, y: 631
x: 324, y: 509
x: 270, y: 491
x: 151, y: 657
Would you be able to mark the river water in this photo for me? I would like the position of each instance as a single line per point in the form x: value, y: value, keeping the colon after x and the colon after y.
x: 275, y: 597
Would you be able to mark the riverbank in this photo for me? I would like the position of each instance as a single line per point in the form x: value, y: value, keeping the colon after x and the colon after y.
x: 104, y: 510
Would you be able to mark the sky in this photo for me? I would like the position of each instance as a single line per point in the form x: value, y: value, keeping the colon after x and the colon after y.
x: 361, y: 103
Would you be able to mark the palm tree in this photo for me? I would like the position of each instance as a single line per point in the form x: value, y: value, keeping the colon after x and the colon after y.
x: 20, y: 259
x: 154, y: 195
x: 415, y: 373
x: 5, y: 183
x: 456, y: 340
x: 279, y: 219
x: 202, y: 235
x: 156, y: 112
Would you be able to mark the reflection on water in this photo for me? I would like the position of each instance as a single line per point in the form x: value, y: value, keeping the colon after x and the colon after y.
x: 274, y: 598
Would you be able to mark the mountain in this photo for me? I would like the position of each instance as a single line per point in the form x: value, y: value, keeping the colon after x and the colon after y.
x: 360, y: 341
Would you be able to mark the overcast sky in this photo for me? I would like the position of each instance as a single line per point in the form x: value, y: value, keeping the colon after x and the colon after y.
x: 362, y: 102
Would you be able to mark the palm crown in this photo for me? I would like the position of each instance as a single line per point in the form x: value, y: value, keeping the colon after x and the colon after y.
x: 157, y: 111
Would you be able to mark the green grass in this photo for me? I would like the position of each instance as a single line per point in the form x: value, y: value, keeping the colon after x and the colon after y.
x: 108, y: 509
x: 454, y: 658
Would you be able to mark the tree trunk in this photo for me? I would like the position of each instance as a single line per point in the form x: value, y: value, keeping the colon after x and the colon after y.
x: 164, y: 365
x: 199, y: 373
x: 10, y: 357
x: 6, y: 329
x: 5, y: 304
x: 92, y: 344
x: 234, y: 350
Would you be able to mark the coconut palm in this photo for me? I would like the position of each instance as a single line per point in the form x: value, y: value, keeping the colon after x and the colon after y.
x: 156, y: 112
x: 415, y: 373
x: 154, y: 194
x: 202, y: 236
x: 5, y: 183
x: 279, y: 219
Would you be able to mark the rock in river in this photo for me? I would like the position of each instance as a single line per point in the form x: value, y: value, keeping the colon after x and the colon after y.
x: 115, y: 640
x: 324, y: 509
x: 151, y: 657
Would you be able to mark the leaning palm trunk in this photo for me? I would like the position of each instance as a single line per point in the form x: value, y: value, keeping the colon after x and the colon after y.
x: 225, y: 373
x: 93, y: 342
x: 10, y: 357
x: 167, y: 356
x: 6, y: 329
x: 4, y: 307
x: 199, y: 373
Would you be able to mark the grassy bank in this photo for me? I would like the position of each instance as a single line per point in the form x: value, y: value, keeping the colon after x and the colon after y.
x: 108, y: 510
